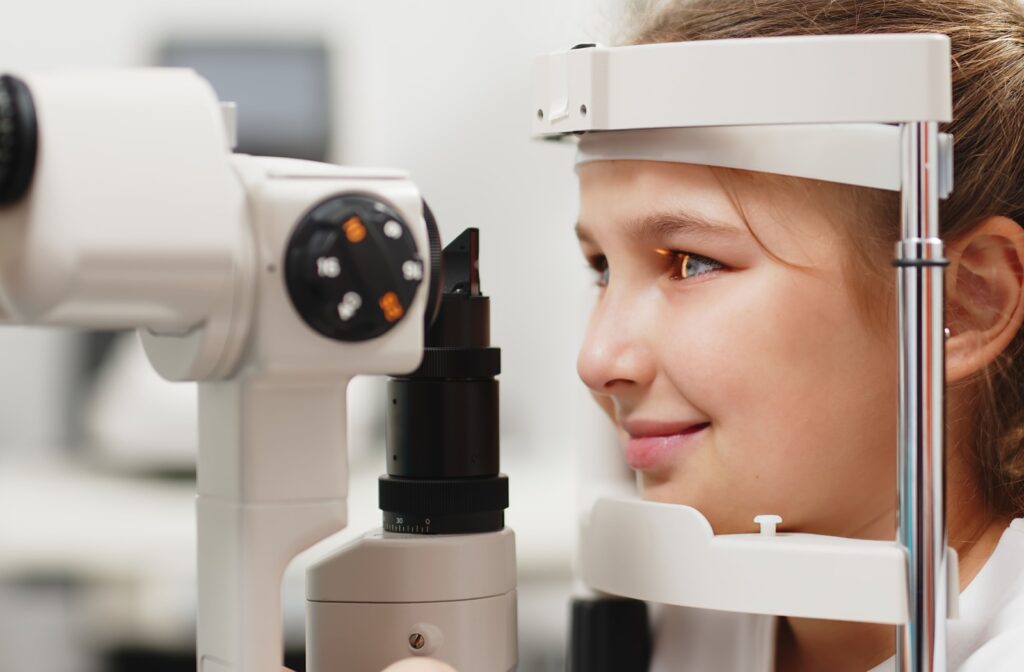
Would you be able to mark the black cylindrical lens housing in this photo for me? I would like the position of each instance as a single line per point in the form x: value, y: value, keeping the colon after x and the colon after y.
x: 443, y: 428
x: 442, y: 419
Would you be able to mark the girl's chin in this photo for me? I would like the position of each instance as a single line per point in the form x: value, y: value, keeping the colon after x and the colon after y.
x: 665, y: 491
x: 658, y: 487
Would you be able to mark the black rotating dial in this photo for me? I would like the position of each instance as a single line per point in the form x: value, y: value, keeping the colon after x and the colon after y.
x: 352, y: 268
x: 18, y: 139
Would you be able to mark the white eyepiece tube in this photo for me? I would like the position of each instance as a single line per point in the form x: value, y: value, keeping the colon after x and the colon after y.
x: 123, y: 220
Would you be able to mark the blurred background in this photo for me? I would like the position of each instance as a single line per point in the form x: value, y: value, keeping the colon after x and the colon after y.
x: 97, y: 455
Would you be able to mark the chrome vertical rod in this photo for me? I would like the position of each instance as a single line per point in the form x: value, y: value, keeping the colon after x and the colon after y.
x: 921, y: 643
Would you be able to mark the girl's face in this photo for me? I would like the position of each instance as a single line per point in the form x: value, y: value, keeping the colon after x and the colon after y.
x: 741, y: 375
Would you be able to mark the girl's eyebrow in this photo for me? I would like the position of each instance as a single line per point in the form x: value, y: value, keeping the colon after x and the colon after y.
x: 659, y: 225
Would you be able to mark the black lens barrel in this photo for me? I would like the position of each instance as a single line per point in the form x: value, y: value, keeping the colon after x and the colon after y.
x: 442, y: 419
x: 441, y: 429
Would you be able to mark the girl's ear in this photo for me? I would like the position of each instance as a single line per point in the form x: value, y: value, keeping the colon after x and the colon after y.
x: 984, y: 295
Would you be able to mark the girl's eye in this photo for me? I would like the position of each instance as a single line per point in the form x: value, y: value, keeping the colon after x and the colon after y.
x: 685, y: 265
x: 599, y: 264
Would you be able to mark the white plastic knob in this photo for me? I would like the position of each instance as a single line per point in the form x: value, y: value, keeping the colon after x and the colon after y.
x: 768, y: 523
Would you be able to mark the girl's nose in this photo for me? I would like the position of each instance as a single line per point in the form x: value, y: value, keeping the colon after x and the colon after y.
x: 616, y: 357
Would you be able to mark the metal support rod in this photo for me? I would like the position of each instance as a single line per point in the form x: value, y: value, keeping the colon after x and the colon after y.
x: 921, y: 643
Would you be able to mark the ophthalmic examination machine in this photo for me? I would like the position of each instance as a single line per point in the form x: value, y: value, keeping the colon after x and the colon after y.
x: 124, y: 207
x: 272, y: 282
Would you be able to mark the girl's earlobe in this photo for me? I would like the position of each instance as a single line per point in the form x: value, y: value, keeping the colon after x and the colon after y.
x: 984, y: 295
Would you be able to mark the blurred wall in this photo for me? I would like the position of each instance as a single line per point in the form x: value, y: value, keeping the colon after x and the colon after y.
x: 37, y: 391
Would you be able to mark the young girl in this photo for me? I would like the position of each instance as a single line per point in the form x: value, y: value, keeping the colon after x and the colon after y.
x: 744, y: 339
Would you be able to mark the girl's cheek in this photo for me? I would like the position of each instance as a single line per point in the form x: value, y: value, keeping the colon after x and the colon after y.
x: 707, y: 373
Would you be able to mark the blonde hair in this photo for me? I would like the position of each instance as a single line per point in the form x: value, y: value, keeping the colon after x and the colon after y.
x: 988, y: 91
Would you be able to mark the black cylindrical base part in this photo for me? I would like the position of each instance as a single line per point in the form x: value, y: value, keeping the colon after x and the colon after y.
x: 609, y: 635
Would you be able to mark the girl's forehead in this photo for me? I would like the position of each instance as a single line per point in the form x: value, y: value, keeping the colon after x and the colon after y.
x: 640, y: 198
x: 647, y: 174
x: 647, y: 195
x: 626, y: 190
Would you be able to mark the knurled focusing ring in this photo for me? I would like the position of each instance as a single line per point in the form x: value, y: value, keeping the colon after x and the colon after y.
x: 19, y: 139
x: 443, y: 506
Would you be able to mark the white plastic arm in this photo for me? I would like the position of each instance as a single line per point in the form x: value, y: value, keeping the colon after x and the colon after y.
x: 273, y: 478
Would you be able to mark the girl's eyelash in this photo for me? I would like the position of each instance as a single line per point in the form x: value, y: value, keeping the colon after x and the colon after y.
x: 682, y: 264
x: 685, y: 265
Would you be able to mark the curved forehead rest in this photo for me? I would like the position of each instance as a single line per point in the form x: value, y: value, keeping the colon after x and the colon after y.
x: 741, y: 82
x: 865, y: 155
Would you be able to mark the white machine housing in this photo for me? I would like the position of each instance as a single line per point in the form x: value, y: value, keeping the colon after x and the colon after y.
x: 449, y: 597
x: 140, y: 216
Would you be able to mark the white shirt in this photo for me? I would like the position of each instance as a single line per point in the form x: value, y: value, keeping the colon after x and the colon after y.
x: 988, y: 636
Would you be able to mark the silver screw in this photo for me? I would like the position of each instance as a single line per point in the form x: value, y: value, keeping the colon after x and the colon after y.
x: 417, y: 641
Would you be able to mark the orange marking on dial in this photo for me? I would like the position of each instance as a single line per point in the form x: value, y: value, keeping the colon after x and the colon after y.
x: 354, y: 230
x: 392, y: 307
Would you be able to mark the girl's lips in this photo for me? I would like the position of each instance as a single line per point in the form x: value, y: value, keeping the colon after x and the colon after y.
x: 646, y: 453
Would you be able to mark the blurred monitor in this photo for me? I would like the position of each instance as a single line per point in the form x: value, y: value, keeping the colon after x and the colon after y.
x: 282, y: 91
